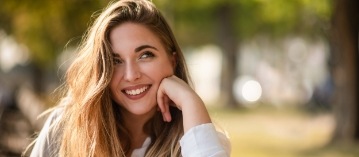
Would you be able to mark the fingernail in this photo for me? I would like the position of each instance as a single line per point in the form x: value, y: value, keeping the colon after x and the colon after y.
x: 168, y: 118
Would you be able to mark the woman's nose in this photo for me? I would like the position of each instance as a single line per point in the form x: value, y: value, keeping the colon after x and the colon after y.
x: 132, y: 72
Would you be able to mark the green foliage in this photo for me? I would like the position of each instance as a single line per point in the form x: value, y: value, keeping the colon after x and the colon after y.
x: 195, y: 21
x: 45, y: 27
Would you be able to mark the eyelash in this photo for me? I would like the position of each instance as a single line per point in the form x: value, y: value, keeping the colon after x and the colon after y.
x: 147, y: 54
x: 117, y: 61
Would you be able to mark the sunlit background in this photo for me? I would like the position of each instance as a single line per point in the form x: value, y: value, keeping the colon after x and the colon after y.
x: 271, y: 72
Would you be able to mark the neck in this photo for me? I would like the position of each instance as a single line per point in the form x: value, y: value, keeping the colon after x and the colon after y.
x: 135, y: 125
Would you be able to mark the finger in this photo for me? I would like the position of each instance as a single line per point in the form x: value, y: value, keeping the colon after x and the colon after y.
x: 163, y: 104
x: 167, y: 113
x: 160, y: 103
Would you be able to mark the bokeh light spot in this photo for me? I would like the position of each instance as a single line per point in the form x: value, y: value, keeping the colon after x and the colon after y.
x: 251, y: 91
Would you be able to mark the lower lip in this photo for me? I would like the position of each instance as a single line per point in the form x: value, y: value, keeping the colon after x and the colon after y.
x: 138, y: 96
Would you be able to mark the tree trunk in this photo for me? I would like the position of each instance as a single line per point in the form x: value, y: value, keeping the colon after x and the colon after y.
x: 227, y: 41
x: 345, y: 70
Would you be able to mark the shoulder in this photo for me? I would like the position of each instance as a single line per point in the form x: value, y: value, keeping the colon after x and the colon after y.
x: 53, y: 119
x: 47, y: 141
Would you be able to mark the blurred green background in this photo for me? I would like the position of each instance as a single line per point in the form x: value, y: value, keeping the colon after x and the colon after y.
x: 278, y: 76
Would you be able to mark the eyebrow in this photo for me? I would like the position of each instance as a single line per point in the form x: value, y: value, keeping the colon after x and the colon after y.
x: 144, y: 47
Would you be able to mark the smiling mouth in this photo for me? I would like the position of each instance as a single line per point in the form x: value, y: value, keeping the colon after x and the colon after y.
x: 134, y: 92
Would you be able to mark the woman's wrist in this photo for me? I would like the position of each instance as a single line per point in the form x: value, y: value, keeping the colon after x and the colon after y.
x: 194, y: 113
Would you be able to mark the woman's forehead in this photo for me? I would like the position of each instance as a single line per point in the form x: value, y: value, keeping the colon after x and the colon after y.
x: 132, y: 37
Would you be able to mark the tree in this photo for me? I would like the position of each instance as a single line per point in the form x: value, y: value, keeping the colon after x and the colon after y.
x: 228, y: 42
x: 46, y: 27
x: 345, y: 70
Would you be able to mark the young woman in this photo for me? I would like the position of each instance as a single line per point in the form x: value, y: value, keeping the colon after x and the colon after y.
x: 127, y: 94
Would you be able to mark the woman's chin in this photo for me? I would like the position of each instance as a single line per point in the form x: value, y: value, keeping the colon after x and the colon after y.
x: 142, y: 111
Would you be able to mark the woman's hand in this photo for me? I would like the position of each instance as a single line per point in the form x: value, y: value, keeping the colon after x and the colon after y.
x: 176, y: 92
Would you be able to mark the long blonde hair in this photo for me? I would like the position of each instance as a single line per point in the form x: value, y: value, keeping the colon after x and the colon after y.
x: 91, y: 123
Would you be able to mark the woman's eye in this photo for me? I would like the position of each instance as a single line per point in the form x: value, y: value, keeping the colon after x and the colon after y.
x: 147, y: 55
x: 117, y: 61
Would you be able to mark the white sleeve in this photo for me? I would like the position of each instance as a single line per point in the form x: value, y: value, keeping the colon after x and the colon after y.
x: 46, y: 145
x: 204, y: 141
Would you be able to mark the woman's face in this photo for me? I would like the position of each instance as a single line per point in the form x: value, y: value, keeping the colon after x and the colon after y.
x: 141, y: 62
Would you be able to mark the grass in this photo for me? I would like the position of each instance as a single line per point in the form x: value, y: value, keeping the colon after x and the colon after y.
x: 267, y: 132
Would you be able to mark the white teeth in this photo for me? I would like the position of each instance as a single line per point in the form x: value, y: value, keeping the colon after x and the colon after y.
x: 136, y: 91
